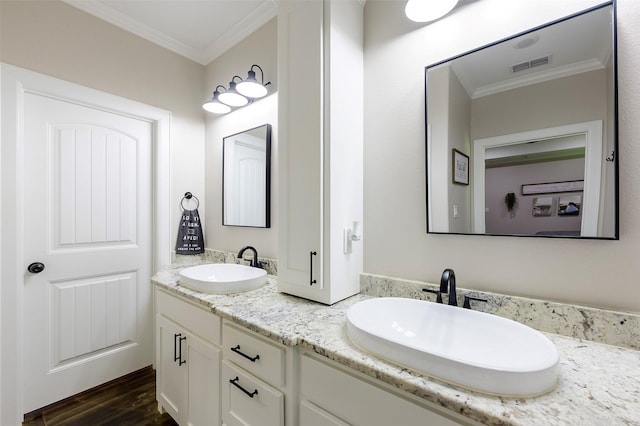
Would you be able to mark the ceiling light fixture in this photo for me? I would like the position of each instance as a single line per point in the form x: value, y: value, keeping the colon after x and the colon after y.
x: 428, y: 10
x: 250, y: 87
x: 214, y: 105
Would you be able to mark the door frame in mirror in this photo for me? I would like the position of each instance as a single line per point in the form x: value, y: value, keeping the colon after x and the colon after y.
x: 592, y: 176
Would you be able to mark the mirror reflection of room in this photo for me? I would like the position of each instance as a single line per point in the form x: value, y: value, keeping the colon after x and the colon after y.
x: 535, y: 109
x: 246, y: 178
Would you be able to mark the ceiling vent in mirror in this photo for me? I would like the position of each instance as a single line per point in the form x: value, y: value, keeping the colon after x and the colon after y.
x: 531, y: 64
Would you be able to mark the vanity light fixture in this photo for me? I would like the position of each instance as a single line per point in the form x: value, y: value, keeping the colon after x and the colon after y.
x: 239, y: 93
x: 214, y: 105
x: 428, y: 10
x: 251, y: 87
x: 231, y: 96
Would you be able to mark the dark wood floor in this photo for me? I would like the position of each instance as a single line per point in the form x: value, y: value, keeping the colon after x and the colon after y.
x: 129, y: 400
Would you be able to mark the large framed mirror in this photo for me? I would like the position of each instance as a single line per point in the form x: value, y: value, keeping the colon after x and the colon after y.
x: 246, y: 178
x: 522, y: 134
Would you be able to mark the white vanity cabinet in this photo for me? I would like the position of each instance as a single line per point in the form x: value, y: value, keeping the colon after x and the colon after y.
x: 188, y: 361
x: 332, y: 395
x: 257, y: 380
x: 320, y: 145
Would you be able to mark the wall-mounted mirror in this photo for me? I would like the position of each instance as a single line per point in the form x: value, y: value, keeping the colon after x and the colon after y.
x: 246, y: 178
x: 522, y: 134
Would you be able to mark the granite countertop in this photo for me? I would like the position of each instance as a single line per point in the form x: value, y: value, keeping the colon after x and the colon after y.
x: 599, y: 384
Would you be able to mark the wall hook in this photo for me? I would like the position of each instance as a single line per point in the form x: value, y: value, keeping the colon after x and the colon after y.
x: 612, y: 157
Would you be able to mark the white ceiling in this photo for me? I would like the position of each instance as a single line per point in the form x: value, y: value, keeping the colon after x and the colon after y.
x: 200, y: 30
x: 576, y: 45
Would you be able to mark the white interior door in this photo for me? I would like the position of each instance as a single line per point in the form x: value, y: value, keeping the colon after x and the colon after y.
x: 87, y: 204
x: 249, y: 196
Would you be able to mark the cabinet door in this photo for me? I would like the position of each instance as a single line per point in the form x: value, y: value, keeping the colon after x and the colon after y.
x: 300, y: 140
x: 203, y: 362
x: 171, y: 384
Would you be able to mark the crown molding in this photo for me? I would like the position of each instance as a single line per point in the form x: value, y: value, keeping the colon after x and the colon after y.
x: 538, y: 77
x: 238, y: 32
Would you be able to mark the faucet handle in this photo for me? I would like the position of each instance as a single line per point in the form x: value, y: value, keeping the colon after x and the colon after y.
x: 247, y: 262
x: 438, y: 294
x: 467, y: 301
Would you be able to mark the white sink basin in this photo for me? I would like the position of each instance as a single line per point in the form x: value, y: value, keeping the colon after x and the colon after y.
x: 222, y: 278
x: 479, y: 351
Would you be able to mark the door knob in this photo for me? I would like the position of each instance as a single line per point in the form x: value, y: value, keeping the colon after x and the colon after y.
x: 36, y: 267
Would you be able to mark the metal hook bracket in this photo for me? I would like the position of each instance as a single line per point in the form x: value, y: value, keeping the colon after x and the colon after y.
x: 188, y: 196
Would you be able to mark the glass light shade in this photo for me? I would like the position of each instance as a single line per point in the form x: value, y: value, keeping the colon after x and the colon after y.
x: 231, y: 97
x: 251, y: 89
x: 216, y: 107
x: 428, y: 10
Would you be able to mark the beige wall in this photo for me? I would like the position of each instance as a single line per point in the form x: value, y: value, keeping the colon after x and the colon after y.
x: 597, y: 273
x: 53, y: 38
x: 575, y: 99
x: 259, y: 48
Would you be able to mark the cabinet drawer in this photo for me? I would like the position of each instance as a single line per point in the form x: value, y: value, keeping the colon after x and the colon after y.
x: 248, y: 401
x: 198, y: 320
x: 255, y: 354
x: 310, y: 415
x: 361, y: 402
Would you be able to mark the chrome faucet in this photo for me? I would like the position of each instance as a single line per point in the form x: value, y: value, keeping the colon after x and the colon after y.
x: 448, y: 284
x: 253, y: 262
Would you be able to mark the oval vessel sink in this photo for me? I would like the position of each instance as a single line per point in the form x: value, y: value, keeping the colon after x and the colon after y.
x: 222, y: 278
x: 476, y: 350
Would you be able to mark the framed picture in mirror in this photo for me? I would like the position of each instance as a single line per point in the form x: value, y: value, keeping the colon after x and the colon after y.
x: 460, y: 167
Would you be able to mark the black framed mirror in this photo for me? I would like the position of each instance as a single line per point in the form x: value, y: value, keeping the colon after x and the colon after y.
x: 246, y: 178
x: 522, y: 133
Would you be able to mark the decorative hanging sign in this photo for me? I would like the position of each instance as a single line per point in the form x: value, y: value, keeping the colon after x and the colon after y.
x: 190, y: 238
x: 553, y: 187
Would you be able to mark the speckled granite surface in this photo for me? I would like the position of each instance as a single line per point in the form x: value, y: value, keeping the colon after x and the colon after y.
x: 580, y: 322
x: 599, y: 384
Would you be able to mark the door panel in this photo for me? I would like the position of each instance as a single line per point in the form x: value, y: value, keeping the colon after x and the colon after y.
x: 94, y: 202
x: 90, y: 315
x: 87, y: 316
